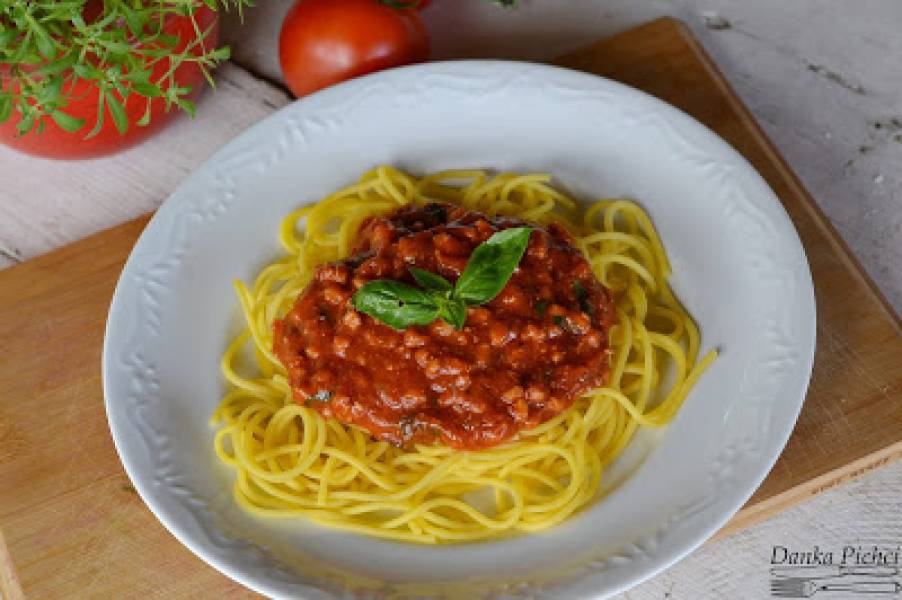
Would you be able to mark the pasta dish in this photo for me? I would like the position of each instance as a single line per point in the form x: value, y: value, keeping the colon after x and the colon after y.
x: 450, y: 358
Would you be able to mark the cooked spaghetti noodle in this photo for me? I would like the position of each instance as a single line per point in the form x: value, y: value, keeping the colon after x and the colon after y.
x: 291, y: 461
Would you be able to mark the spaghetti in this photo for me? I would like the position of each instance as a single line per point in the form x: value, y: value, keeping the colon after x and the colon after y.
x: 291, y: 461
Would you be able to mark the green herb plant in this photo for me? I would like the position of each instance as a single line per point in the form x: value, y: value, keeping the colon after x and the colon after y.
x: 47, y: 45
x: 488, y: 270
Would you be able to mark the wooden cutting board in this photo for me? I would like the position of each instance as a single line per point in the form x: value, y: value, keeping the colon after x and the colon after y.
x: 74, y: 526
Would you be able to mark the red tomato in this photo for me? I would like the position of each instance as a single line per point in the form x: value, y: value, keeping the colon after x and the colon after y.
x: 326, y: 41
x: 54, y: 142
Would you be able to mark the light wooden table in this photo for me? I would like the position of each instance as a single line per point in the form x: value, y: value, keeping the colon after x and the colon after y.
x: 822, y: 76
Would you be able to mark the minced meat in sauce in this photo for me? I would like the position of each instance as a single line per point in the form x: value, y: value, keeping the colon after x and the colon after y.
x: 520, y: 359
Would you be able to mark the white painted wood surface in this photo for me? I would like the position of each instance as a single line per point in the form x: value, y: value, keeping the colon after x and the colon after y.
x: 48, y: 203
x: 824, y: 77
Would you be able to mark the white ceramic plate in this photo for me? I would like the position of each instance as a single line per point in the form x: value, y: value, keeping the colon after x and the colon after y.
x: 738, y: 267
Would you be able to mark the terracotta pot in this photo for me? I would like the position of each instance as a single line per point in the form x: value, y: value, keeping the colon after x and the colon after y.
x: 55, y: 142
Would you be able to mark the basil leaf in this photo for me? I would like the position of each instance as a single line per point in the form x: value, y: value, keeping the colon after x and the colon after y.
x: 487, y: 272
x: 454, y: 313
x: 396, y: 304
x: 431, y: 281
x: 491, y: 265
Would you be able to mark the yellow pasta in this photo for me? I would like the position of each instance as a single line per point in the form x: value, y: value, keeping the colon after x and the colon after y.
x: 291, y: 461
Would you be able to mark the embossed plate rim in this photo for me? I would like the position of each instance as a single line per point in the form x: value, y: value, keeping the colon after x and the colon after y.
x: 741, y: 455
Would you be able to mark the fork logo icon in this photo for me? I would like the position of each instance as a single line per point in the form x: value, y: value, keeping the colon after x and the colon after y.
x: 804, y: 581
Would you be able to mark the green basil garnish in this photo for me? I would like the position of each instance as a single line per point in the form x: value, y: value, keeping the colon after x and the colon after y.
x: 490, y: 267
x: 431, y: 281
x: 454, y: 312
x: 396, y: 304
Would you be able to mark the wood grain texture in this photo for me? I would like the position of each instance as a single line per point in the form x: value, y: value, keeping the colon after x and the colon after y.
x: 9, y: 581
x: 75, y: 527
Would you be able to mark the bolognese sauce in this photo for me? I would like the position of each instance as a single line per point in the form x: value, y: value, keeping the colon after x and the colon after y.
x: 519, y: 360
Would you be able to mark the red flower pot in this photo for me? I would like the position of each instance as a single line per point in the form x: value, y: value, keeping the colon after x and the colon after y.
x: 55, y: 142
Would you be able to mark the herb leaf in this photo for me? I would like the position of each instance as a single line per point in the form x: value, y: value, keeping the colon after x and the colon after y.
x: 396, y: 304
x: 562, y: 322
x: 100, y: 46
x: 582, y: 296
x: 148, y: 90
x: 431, y: 281
x: 491, y: 265
x: 67, y: 122
x: 454, y: 313
x: 6, y: 107
x: 540, y: 307
x: 117, y: 111
x: 487, y: 272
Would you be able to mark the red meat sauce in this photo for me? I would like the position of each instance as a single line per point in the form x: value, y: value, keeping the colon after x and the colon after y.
x: 520, y: 359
